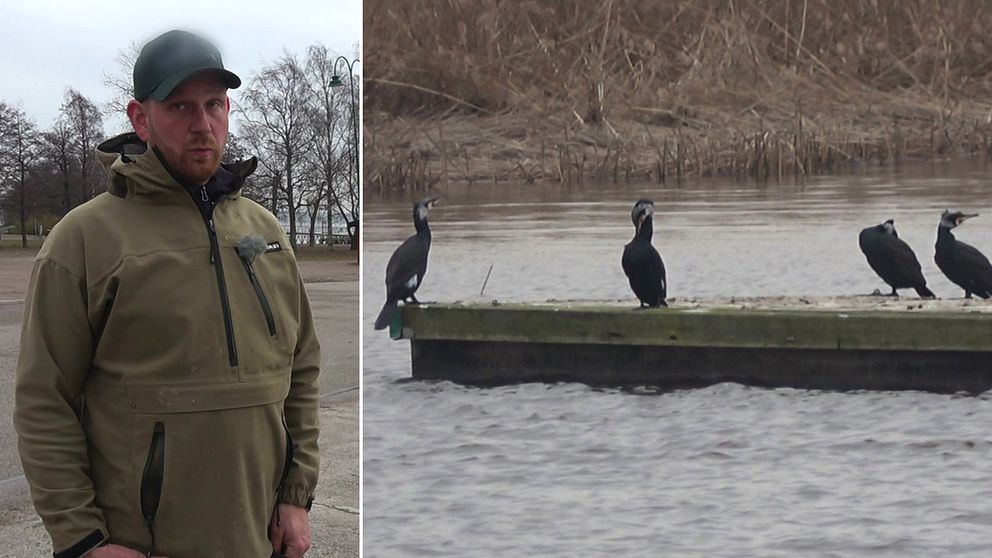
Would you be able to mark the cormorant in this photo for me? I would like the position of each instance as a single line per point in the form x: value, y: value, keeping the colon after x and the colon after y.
x: 641, y: 262
x: 965, y: 266
x: 408, y: 265
x: 892, y: 259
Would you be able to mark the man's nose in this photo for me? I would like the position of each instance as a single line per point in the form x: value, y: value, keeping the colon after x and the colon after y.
x: 200, y: 123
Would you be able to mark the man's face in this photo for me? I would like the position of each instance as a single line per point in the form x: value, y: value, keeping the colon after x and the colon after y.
x: 189, y: 128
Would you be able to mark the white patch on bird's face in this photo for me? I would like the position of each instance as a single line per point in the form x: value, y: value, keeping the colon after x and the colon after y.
x: 422, y: 212
x: 647, y: 210
x: 946, y: 221
x: 412, y: 282
x: 889, y: 228
x: 642, y: 210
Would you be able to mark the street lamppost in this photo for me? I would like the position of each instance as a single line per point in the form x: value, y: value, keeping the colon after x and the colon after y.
x: 336, y: 82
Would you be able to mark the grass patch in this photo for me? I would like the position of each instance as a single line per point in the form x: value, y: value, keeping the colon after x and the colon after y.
x: 13, y: 244
x: 315, y: 253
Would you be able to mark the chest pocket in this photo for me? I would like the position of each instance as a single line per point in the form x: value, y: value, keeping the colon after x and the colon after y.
x: 263, y: 301
x: 266, y: 307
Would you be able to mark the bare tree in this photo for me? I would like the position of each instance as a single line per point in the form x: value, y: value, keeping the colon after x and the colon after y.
x: 354, y: 179
x: 274, y: 110
x: 86, y: 126
x: 331, y: 114
x: 6, y: 161
x: 263, y: 188
x: 310, y: 193
x: 19, y: 146
x: 121, y: 83
x: 313, y: 197
x: 57, y: 149
x: 238, y: 150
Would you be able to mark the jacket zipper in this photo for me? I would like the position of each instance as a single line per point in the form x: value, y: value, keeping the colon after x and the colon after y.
x: 260, y: 294
x: 151, y: 481
x: 207, y: 210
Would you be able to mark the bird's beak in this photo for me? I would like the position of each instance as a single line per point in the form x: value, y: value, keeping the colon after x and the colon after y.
x: 433, y: 201
x: 965, y: 216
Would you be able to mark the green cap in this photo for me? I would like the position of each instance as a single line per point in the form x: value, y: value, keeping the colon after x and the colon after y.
x: 173, y: 56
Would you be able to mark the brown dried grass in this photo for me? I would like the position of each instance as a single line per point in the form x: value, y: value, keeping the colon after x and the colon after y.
x: 458, y: 90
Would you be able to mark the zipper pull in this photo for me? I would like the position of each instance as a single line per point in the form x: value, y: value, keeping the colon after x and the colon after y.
x: 203, y: 193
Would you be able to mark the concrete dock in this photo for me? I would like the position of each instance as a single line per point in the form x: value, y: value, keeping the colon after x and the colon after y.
x: 836, y: 344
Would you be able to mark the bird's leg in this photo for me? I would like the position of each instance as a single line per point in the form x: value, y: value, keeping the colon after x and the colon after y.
x: 413, y: 300
x: 967, y: 294
x: 894, y: 293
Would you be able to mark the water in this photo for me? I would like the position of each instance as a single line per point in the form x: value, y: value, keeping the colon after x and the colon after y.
x: 567, y: 470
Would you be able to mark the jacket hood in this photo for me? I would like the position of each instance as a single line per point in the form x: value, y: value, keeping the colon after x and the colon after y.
x: 135, y: 170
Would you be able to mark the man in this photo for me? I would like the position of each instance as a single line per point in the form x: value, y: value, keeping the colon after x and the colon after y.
x: 166, y: 399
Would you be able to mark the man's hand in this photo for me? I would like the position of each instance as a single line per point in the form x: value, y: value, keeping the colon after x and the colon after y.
x: 290, y: 535
x: 116, y: 551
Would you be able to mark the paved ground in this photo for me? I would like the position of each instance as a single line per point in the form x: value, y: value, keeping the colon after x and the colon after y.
x: 334, y: 518
x: 15, y: 269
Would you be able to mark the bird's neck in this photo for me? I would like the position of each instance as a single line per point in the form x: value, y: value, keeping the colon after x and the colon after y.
x: 646, y: 230
x: 944, y: 236
x: 423, y: 229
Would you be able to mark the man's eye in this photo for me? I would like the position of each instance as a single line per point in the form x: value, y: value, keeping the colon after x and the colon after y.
x: 179, y: 106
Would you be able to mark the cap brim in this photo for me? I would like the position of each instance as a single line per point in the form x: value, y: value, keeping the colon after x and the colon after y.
x: 165, y: 88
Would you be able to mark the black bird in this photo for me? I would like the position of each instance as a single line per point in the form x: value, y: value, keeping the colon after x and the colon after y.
x: 892, y: 259
x: 965, y: 266
x: 408, y: 265
x: 641, y: 262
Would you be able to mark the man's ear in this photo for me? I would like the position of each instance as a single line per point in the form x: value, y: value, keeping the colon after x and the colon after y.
x: 138, y: 115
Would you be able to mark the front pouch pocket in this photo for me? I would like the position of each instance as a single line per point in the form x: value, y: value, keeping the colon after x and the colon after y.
x: 210, y: 465
x: 151, y: 480
x: 263, y: 301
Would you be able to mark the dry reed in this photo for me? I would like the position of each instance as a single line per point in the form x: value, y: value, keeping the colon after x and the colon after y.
x: 572, y: 91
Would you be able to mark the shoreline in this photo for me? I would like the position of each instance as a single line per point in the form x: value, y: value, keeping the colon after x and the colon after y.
x: 420, y: 153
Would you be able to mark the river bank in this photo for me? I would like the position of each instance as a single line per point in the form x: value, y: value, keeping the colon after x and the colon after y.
x: 523, y: 147
x: 615, y: 91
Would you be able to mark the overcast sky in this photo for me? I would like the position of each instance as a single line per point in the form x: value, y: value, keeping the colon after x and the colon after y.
x: 49, y: 45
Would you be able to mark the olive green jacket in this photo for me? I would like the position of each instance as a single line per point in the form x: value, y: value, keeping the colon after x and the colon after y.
x: 166, y: 393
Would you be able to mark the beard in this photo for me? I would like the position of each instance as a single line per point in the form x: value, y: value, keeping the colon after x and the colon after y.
x: 189, y: 167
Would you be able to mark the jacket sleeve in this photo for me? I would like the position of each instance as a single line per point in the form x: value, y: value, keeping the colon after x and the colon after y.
x: 55, y: 355
x: 301, y: 413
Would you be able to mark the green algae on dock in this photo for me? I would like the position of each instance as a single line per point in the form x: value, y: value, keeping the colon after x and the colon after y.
x: 844, y: 344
